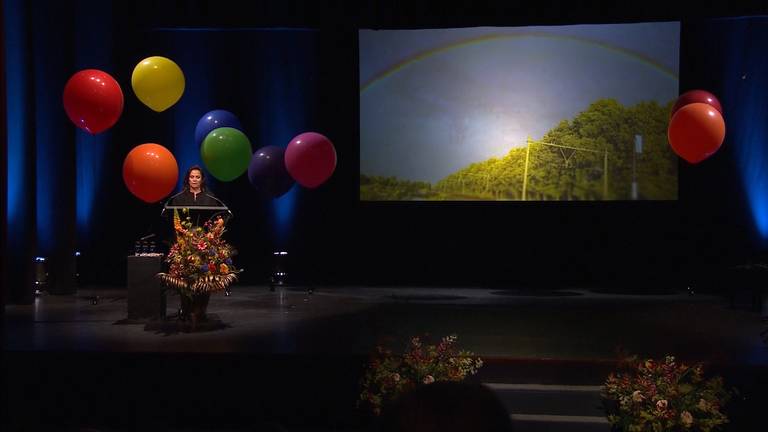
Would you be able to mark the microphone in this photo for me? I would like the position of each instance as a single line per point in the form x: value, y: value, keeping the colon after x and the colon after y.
x: 223, y: 205
x: 176, y: 195
x: 162, y: 212
x: 217, y: 200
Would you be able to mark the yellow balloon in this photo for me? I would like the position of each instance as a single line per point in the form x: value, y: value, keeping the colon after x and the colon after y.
x: 158, y: 82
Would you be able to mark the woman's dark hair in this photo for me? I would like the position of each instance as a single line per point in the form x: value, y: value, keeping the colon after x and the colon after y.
x: 202, y: 177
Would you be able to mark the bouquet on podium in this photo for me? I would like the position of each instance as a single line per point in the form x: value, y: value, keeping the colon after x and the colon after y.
x: 200, y: 261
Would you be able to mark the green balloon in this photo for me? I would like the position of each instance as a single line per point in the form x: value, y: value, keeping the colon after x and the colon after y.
x: 226, y: 152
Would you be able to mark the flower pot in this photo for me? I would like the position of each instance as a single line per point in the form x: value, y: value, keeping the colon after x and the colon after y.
x: 194, y: 307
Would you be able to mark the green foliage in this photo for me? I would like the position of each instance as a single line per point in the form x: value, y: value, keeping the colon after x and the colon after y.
x: 374, y: 188
x: 569, y: 163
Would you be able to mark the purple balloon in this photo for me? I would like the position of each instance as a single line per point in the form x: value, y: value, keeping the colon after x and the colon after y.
x: 213, y: 120
x: 267, y: 172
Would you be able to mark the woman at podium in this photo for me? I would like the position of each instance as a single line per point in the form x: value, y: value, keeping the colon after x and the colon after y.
x: 198, y: 204
x: 194, y: 192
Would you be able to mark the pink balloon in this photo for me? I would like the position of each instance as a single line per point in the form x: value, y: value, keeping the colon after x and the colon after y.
x: 697, y: 96
x: 310, y: 159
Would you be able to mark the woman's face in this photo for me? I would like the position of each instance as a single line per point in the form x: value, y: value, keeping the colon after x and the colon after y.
x: 195, y: 179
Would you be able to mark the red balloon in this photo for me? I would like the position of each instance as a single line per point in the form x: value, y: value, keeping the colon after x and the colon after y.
x: 310, y: 159
x: 93, y: 100
x: 697, y: 96
x: 696, y: 132
x: 150, y: 172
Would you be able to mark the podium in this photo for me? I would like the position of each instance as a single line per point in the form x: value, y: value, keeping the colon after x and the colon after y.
x: 198, y: 214
x: 146, y: 296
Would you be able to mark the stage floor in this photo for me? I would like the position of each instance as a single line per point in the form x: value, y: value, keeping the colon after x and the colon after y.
x: 295, y: 359
x: 567, y: 324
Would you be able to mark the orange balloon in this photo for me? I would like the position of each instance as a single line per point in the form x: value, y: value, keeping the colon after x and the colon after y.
x: 696, y: 132
x: 150, y: 172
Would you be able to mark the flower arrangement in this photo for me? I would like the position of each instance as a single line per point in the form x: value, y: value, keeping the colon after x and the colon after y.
x: 200, y: 260
x: 388, y: 375
x: 665, y: 396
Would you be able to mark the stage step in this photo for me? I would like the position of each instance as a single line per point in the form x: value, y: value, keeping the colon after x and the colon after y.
x: 561, y: 408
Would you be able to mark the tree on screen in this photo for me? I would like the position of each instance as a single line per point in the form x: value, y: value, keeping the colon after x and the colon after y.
x: 590, y: 157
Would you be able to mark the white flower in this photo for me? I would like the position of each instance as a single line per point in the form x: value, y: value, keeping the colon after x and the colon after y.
x: 661, y: 405
x: 686, y: 418
x: 396, y: 377
x: 703, y: 405
x: 429, y: 379
x: 637, y: 396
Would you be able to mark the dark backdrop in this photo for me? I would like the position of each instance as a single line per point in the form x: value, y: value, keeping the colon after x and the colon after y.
x: 332, y: 238
x: 289, y: 67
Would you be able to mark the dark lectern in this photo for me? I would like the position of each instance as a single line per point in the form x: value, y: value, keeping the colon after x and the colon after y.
x: 146, y: 298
